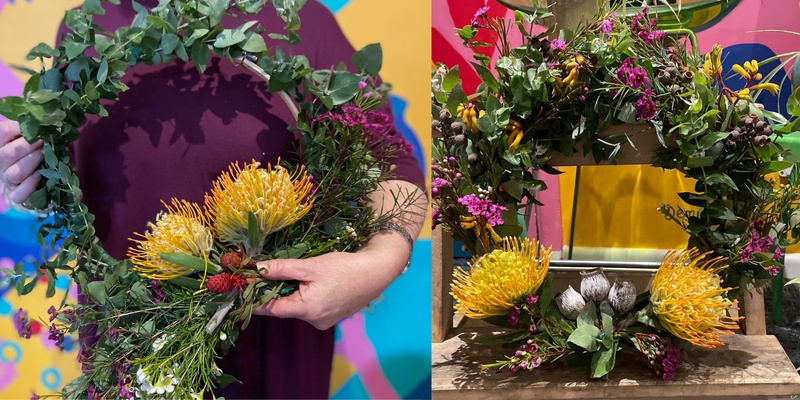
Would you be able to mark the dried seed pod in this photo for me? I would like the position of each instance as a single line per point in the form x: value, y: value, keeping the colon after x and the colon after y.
x: 664, y: 77
x: 570, y: 303
x: 622, y: 296
x: 594, y: 285
x: 761, y: 140
x: 444, y: 114
x: 457, y: 127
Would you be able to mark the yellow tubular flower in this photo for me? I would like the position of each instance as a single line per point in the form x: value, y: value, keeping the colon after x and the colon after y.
x: 707, y: 67
x: 739, y: 70
x: 751, y: 66
x: 180, y: 229
x: 770, y: 87
x: 744, y: 94
x: 688, y: 298
x: 469, y: 115
x: 515, y: 135
x: 276, y: 197
x: 713, y: 64
x: 498, y: 280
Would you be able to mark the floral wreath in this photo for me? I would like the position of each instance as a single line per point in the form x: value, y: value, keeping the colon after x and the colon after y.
x: 559, y: 92
x: 165, y: 315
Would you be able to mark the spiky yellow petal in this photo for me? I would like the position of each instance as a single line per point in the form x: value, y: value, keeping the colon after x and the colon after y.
x: 180, y: 229
x: 770, y: 87
x: 688, y: 298
x: 275, y: 196
x: 497, y: 280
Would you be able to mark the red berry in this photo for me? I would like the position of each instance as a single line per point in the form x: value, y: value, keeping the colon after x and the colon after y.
x: 220, y: 284
x: 231, y: 261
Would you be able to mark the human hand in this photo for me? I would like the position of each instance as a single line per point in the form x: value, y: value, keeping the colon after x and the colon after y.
x: 334, y: 286
x: 19, y: 161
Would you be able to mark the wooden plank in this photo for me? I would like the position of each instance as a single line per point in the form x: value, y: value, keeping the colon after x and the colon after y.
x: 442, y: 275
x: 643, y: 137
x: 569, y: 13
x: 749, y: 367
x: 752, y: 308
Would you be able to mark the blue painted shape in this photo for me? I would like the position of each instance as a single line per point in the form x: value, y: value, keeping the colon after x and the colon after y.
x: 738, y: 54
x: 399, y: 106
x: 51, y: 378
x: 334, y: 5
x: 400, y: 326
x: 69, y: 344
x: 18, y: 227
x: 423, y: 391
x: 10, y: 345
x: 63, y: 282
x: 5, y: 307
x: 352, y: 389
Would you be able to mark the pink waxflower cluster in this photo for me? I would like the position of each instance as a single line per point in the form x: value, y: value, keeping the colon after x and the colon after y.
x: 483, y: 208
x: 759, y: 244
x: 480, y: 14
x: 646, y: 30
x: 527, y: 357
x: 22, y: 324
x: 376, y: 125
x: 631, y: 75
x: 645, y: 107
x: 608, y: 24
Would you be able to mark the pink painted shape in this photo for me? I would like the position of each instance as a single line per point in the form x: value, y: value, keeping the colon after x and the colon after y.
x: 550, y: 232
x: 9, y: 86
x: 357, y: 349
x: 741, y: 24
x: 8, y: 373
x: 2, y: 4
x: 73, y: 292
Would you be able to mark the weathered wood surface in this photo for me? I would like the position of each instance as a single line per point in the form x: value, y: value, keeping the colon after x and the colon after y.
x: 749, y: 367
x: 755, y: 316
x: 642, y: 136
x: 442, y: 275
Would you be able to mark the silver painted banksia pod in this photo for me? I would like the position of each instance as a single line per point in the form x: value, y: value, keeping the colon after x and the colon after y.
x: 622, y: 296
x: 570, y: 303
x: 594, y: 285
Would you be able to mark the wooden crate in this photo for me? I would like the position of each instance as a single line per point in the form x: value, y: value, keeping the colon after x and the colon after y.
x: 748, y: 368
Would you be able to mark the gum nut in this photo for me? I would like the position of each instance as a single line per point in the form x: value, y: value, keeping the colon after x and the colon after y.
x: 594, y: 285
x: 570, y: 303
x: 445, y: 114
x: 622, y: 296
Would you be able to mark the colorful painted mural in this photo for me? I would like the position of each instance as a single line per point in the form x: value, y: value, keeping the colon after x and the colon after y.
x: 616, y: 207
x: 376, y: 356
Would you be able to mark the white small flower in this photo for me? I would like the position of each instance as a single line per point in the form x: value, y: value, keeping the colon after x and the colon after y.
x: 217, y: 370
x: 223, y: 336
x: 159, y: 343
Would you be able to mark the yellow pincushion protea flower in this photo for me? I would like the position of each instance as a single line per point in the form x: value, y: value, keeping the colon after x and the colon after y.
x: 276, y: 197
x: 180, y: 229
x: 688, y: 299
x: 498, y: 280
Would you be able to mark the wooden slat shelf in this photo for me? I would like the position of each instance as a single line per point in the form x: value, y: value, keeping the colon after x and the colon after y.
x: 749, y: 367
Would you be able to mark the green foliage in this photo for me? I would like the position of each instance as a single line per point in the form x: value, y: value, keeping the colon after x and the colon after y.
x: 157, y: 325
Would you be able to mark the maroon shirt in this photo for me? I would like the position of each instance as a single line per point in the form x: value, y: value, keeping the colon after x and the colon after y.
x: 170, y: 135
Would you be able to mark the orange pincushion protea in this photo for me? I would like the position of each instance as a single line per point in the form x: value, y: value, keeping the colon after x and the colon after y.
x: 276, y: 197
x: 181, y: 229
x: 688, y: 298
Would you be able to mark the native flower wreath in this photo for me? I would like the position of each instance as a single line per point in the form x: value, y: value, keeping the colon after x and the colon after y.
x: 155, y: 324
x: 685, y: 306
x: 559, y: 92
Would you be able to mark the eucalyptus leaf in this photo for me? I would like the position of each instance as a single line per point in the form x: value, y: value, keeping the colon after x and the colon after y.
x: 369, y: 59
